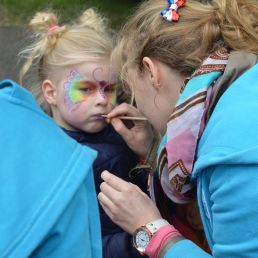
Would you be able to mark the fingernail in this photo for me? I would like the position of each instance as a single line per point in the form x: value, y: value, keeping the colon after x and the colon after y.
x: 104, y: 174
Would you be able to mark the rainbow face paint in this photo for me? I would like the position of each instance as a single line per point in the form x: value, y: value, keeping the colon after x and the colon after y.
x: 77, y: 90
x: 106, y: 90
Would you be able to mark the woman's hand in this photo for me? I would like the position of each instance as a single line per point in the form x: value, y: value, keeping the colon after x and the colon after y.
x: 138, y: 136
x: 125, y: 203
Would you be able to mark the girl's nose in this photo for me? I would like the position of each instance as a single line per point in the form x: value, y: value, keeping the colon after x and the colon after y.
x: 101, y: 98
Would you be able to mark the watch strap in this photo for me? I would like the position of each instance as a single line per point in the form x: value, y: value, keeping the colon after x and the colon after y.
x: 155, y: 225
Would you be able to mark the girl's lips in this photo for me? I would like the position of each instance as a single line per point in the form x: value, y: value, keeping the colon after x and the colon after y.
x: 100, y: 116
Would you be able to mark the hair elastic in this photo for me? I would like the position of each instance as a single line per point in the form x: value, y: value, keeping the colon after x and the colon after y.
x: 171, y: 13
x: 52, y: 28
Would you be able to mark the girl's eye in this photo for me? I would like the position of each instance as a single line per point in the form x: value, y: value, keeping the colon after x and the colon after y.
x: 110, y: 89
x: 86, y: 90
x: 86, y: 87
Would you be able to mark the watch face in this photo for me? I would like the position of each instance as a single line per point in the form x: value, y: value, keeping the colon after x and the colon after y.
x: 141, y: 240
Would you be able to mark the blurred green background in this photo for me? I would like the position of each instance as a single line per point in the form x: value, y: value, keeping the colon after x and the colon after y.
x: 16, y: 14
x: 19, y: 12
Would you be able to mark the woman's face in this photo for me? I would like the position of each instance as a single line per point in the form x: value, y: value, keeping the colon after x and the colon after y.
x: 156, y: 102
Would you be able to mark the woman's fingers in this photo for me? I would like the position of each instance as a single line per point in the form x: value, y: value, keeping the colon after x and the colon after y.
x: 115, y: 183
x: 107, y: 205
x: 125, y: 203
x: 123, y: 109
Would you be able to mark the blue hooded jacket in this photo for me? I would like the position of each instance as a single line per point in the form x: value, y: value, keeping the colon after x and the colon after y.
x: 226, y: 173
x: 48, y: 201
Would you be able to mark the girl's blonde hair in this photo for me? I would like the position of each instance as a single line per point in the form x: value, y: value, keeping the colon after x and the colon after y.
x: 56, y: 47
x: 202, y: 28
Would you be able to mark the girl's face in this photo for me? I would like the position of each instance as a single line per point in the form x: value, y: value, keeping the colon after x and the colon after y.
x: 86, y: 92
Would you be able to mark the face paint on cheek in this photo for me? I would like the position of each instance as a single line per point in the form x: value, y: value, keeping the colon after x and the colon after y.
x: 111, y: 93
x: 112, y: 98
x: 72, y: 95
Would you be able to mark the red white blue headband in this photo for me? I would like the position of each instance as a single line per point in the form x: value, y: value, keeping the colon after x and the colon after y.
x: 171, y: 13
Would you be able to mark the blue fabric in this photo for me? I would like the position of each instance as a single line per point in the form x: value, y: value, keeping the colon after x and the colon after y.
x: 226, y: 174
x: 115, y: 156
x: 228, y: 186
x: 197, y: 84
x: 48, y: 200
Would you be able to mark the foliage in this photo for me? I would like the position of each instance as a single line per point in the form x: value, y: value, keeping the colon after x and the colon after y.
x: 19, y: 12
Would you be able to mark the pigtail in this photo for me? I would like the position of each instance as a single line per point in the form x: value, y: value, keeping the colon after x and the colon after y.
x: 45, y: 35
x: 92, y: 19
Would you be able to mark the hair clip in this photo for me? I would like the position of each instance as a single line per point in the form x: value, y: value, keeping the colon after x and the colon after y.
x: 52, y: 28
x: 171, y: 13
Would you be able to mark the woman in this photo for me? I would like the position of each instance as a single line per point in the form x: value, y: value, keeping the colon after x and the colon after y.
x: 192, y: 68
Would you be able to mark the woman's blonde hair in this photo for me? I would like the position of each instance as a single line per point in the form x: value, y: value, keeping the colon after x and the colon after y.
x: 55, y: 47
x: 202, y: 28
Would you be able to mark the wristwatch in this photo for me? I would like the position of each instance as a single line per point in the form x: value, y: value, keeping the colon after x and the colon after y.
x: 143, y: 235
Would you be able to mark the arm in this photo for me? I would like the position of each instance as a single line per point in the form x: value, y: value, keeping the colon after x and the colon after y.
x: 130, y: 208
x: 233, y: 212
x: 117, y: 243
x: 234, y: 206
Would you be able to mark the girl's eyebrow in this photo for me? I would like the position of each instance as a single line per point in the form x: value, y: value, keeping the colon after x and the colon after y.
x: 102, y: 84
x: 88, y: 82
x: 111, y: 84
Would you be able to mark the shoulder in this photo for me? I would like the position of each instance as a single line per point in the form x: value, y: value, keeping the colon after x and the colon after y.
x: 231, y: 132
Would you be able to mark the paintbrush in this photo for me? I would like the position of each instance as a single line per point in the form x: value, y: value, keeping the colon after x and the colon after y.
x: 135, y: 118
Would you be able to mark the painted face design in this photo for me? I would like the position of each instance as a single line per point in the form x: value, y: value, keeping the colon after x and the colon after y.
x: 77, y: 90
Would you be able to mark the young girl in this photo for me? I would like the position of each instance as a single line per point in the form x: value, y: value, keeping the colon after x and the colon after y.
x: 76, y: 87
x: 193, y: 68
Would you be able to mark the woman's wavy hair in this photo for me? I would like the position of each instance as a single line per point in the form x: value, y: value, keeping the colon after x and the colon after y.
x: 203, y: 27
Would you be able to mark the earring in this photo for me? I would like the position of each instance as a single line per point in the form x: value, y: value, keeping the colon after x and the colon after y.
x: 155, y: 85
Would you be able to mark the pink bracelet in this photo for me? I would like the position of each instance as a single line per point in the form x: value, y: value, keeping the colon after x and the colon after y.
x: 159, y: 239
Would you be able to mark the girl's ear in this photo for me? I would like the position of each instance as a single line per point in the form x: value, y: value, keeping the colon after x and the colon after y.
x: 152, y: 68
x: 49, y: 92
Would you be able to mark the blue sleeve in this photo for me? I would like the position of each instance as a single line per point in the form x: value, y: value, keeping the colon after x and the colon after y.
x: 234, y: 210
x: 186, y: 249
x: 233, y: 214
x: 77, y: 232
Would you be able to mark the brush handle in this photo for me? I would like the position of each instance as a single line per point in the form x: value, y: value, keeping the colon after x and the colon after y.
x: 129, y: 118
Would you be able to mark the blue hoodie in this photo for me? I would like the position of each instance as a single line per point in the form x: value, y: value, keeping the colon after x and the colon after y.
x: 48, y: 205
x: 226, y: 171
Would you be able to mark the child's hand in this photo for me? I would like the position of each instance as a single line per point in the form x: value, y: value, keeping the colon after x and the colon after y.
x: 138, y: 134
